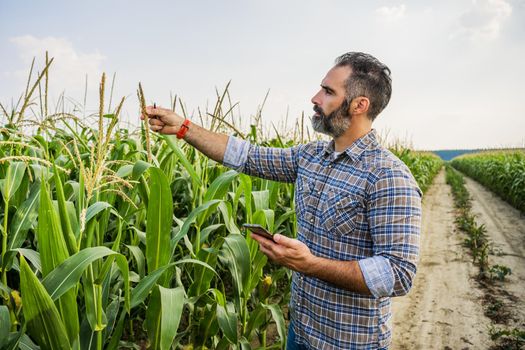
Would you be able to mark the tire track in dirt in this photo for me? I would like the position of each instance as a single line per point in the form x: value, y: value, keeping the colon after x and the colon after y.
x: 443, y: 309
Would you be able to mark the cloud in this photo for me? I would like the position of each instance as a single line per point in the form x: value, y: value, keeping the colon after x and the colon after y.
x: 483, y: 20
x: 392, y: 13
x: 69, y: 67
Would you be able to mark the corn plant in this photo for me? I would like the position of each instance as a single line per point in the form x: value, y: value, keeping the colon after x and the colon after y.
x: 114, y: 238
x: 503, y: 172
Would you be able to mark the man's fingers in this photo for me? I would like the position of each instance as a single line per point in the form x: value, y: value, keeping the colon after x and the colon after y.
x: 156, y: 122
x: 157, y: 112
x: 156, y: 127
x: 286, y: 241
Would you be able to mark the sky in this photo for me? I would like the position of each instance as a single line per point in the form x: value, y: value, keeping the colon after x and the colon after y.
x: 457, y: 66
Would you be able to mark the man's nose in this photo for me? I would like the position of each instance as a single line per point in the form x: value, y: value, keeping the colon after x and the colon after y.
x: 315, y: 99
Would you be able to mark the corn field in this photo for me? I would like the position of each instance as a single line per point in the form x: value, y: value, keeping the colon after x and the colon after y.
x: 503, y: 172
x: 113, y: 239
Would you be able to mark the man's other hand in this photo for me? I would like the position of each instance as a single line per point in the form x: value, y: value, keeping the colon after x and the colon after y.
x: 285, y: 251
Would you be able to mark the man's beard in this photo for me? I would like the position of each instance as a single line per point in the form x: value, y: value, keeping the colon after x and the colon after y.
x: 334, y: 124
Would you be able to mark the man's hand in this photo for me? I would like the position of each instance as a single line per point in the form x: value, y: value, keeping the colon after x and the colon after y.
x: 288, y: 252
x: 163, y: 120
x: 295, y: 255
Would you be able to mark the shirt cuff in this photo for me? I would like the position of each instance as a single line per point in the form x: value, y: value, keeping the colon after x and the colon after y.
x: 378, y: 275
x: 236, y: 153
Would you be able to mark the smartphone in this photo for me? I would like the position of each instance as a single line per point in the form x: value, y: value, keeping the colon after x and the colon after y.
x: 259, y: 230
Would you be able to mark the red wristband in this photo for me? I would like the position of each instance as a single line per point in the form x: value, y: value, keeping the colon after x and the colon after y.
x: 183, y: 129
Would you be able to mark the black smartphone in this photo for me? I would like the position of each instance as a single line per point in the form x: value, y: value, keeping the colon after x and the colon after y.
x: 259, y: 230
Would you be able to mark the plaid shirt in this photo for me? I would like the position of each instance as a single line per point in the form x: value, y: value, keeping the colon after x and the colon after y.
x: 362, y: 204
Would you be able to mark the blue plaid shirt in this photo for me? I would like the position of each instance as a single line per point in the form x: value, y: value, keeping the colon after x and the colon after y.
x: 362, y: 204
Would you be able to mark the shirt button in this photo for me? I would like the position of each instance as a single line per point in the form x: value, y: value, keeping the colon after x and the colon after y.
x: 312, y: 220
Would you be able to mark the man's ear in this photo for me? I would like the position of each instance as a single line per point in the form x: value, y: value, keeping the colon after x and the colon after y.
x: 360, y: 105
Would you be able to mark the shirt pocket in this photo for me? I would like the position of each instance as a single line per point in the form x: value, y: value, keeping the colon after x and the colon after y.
x: 346, y: 211
x: 304, y: 195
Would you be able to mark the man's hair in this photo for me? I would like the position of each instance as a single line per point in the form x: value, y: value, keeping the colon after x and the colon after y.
x: 369, y: 78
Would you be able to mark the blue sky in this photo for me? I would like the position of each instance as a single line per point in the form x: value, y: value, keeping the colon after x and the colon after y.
x: 457, y: 66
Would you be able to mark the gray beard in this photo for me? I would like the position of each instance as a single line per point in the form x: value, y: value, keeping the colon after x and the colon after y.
x: 334, y: 124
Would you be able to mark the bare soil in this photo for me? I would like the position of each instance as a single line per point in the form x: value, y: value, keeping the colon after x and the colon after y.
x: 444, y: 308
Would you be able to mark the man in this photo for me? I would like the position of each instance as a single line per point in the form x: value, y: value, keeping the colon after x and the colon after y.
x: 358, y: 210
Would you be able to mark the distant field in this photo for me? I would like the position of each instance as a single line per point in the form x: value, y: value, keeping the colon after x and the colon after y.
x: 447, y: 155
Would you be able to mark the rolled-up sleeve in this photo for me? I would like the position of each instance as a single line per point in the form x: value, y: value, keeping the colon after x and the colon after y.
x: 278, y: 164
x: 394, y: 218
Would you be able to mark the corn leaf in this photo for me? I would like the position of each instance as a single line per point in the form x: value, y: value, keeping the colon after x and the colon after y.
x: 236, y: 256
x: 24, y: 219
x: 67, y: 274
x: 41, y: 315
x: 163, y: 316
x: 12, y: 180
x: 67, y: 229
x: 202, y: 276
x: 228, y: 323
x: 53, y: 251
x: 159, y: 220
x: 96, y: 208
x: 139, y: 259
x: 208, y: 325
x: 196, y: 179
x: 5, y: 325
x: 217, y: 190
x: 191, y: 219
x: 277, y: 315
x: 142, y: 289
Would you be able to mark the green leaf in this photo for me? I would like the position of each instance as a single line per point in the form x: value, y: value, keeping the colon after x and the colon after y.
x: 139, y: 168
x: 141, y: 291
x: 182, y: 158
x: 42, y: 317
x: 32, y: 256
x: 256, y: 320
x: 24, y: 219
x: 159, y: 220
x: 191, y: 219
x: 53, y: 251
x: 67, y: 274
x: 67, y: 229
x: 163, y: 316
x: 261, y: 199
x: 125, y: 170
x: 277, y: 315
x: 236, y: 256
x: 13, y: 179
x: 229, y: 218
x: 96, y: 208
x: 227, y: 323
x: 5, y: 325
x: 219, y: 187
x: 139, y: 258
x: 208, y: 325
x: 217, y: 190
x: 202, y: 276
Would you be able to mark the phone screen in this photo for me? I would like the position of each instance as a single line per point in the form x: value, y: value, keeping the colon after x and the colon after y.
x: 259, y: 230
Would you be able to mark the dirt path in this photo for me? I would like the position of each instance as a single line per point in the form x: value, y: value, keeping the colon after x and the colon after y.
x: 506, y: 231
x: 443, y: 310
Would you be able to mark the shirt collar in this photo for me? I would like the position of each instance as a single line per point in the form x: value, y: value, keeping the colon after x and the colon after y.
x: 356, y: 149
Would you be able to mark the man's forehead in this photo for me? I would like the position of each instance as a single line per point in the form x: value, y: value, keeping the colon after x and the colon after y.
x: 337, y: 76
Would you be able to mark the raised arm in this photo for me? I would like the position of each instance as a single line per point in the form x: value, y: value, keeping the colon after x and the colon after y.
x: 167, y: 122
x: 279, y: 164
